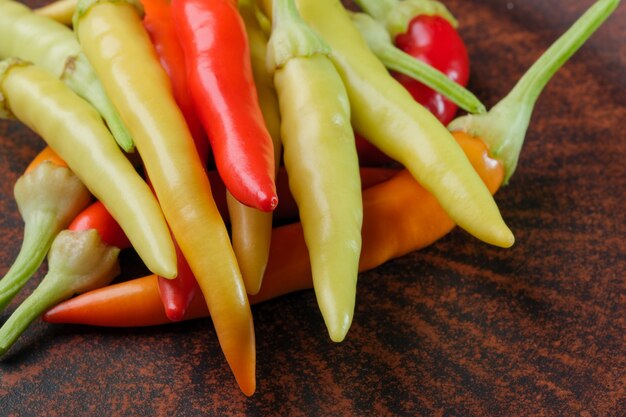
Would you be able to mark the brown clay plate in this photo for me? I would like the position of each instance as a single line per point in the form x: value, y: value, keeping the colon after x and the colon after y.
x: 457, y: 329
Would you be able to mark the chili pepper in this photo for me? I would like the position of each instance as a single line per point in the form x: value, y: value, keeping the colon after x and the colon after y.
x: 321, y: 161
x: 75, y: 131
x: 439, y: 92
x: 160, y: 26
x: 400, y: 216
x: 59, y: 10
x: 78, y: 262
x: 403, y: 129
x: 48, y: 196
x: 251, y: 229
x: 425, y: 30
x: 504, y: 127
x: 53, y: 46
x: 139, y: 87
x: 46, y: 155
x: 288, y: 210
x: 216, y: 51
x: 96, y: 216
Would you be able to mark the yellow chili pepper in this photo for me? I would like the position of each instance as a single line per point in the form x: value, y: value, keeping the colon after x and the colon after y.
x: 113, y: 38
x: 251, y: 229
x: 385, y: 113
x: 60, y: 10
x: 77, y: 134
x: 53, y: 46
x: 321, y: 161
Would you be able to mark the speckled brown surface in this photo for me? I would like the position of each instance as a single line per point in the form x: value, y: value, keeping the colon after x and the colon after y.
x: 457, y: 329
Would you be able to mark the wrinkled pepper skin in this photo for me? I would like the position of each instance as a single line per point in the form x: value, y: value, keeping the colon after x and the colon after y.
x: 400, y: 216
x: 114, y: 40
x: 384, y: 111
x: 217, y: 55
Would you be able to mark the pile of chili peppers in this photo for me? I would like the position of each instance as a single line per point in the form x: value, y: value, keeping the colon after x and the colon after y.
x: 247, y: 132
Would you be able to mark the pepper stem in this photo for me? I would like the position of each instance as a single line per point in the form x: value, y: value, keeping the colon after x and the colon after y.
x: 78, y: 262
x: 395, y: 59
x: 39, y: 232
x: 504, y: 127
x: 291, y: 36
x: 396, y: 15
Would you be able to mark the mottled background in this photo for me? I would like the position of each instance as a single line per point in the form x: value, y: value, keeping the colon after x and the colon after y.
x: 457, y: 329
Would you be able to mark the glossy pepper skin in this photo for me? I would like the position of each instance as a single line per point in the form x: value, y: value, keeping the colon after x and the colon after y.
x: 51, y: 45
x: 403, y: 129
x: 433, y: 40
x: 78, y: 135
x: 175, y: 293
x: 217, y: 55
x: 160, y: 26
x: 321, y: 161
x: 400, y: 216
x: 251, y: 229
x: 114, y: 40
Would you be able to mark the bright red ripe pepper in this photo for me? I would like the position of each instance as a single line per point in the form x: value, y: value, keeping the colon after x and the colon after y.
x: 159, y: 25
x: 217, y: 55
x: 432, y: 39
x: 96, y: 216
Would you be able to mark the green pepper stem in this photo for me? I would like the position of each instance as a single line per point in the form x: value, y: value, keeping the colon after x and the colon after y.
x: 39, y: 232
x: 504, y: 127
x: 379, y: 9
x: 78, y: 262
x: 42, y: 298
x: 291, y: 37
x: 395, y: 59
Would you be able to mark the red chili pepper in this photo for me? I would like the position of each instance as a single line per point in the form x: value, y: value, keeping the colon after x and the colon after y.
x: 215, y: 45
x: 159, y: 25
x: 96, y: 216
x: 432, y: 39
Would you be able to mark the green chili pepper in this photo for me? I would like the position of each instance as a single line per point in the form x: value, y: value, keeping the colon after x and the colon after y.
x: 504, y: 127
x: 385, y: 113
x: 78, y: 262
x: 53, y: 46
x: 321, y: 160
x: 395, y: 59
x: 74, y: 130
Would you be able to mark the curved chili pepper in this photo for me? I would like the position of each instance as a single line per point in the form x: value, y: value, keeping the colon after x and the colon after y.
x: 48, y: 196
x: 175, y: 293
x: 53, y: 46
x: 400, y: 216
x: 216, y: 50
x: 75, y: 131
x: 160, y: 26
x: 139, y: 87
x: 403, y: 129
x: 321, y: 161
